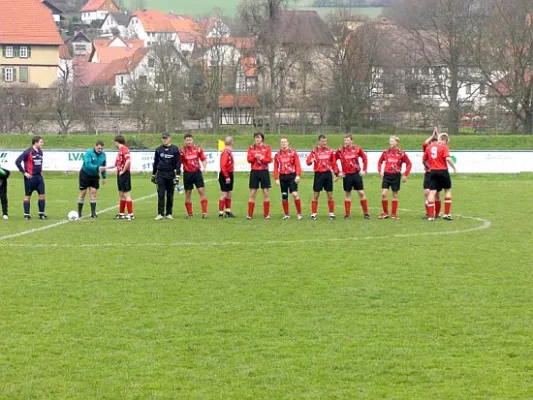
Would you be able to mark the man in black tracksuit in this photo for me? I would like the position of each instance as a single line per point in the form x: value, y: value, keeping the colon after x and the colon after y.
x: 167, y: 166
x: 4, y: 174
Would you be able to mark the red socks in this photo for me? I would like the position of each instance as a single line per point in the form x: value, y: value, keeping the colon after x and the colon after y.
x: 228, y: 204
x: 385, y: 205
x: 394, y: 206
x: 314, y: 207
x: 129, y: 205
x: 347, y: 207
x: 438, y: 206
x: 251, y: 206
x: 204, y: 206
x: 298, y: 204
x: 122, y: 206
x: 285, y: 205
x: 447, y: 205
x: 364, y: 206
x: 188, y: 206
x: 431, y: 210
x: 331, y: 206
x: 221, y: 205
x: 266, y: 208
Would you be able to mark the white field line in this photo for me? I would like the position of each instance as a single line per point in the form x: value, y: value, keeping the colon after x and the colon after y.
x: 485, y: 224
x: 66, y: 221
x: 63, y: 222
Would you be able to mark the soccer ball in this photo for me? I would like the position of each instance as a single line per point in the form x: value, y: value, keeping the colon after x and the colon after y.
x: 73, y: 216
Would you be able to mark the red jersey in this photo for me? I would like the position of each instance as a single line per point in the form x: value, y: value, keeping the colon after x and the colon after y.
x: 287, y: 162
x: 226, y: 163
x: 349, y: 158
x: 393, y: 159
x: 122, y: 157
x: 324, y: 160
x: 263, y: 150
x: 190, y: 158
x: 435, y: 156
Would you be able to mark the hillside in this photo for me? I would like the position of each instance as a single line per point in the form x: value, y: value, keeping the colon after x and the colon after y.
x: 229, y: 7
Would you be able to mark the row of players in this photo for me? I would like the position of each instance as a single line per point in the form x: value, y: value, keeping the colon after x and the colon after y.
x: 169, y: 159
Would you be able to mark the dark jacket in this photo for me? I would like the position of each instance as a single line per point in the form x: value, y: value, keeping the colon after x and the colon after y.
x: 167, y: 161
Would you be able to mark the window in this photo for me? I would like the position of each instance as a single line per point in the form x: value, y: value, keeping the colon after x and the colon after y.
x: 469, y: 89
x: 389, y: 87
x: 8, y: 74
x: 23, y: 52
x: 482, y: 88
x: 143, y: 79
x: 23, y: 74
x: 292, y: 85
x: 121, y: 81
x: 151, y: 63
x: 8, y: 51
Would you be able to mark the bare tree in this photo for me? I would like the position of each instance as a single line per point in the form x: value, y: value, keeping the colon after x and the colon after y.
x: 276, y: 57
x: 65, y: 102
x: 21, y: 108
x: 357, y: 57
x: 169, y: 81
x: 503, y: 50
x: 141, y: 99
x: 439, y: 30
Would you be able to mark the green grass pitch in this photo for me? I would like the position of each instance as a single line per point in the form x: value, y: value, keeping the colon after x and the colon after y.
x: 237, y: 309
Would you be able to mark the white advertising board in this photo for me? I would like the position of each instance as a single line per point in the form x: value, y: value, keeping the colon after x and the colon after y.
x: 141, y: 161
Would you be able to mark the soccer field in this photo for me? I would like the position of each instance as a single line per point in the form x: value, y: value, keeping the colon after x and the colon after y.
x: 237, y: 309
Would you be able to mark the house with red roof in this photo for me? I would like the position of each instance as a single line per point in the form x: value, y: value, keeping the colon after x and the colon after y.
x: 182, y: 30
x: 112, y: 79
x: 29, y: 42
x: 247, y: 75
x: 97, y: 10
x: 238, y: 109
x: 106, y: 50
x: 225, y: 51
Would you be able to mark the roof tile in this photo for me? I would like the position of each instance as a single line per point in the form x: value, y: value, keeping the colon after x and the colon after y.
x: 27, y: 22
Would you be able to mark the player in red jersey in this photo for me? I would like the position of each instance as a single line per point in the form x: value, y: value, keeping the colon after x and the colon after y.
x: 324, y: 160
x: 433, y: 138
x: 287, y: 172
x: 194, y: 162
x: 225, y: 179
x: 438, y: 158
x: 352, y: 174
x: 259, y: 156
x: 394, y: 158
x: 123, y: 166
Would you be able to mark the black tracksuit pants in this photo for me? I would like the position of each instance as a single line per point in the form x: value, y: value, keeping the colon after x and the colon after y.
x: 165, y: 188
x: 3, y: 192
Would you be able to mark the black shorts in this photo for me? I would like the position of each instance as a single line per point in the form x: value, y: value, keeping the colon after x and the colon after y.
x: 87, y: 181
x: 225, y: 187
x: 427, y: 182
x: 124, y: 182
x: 34, y: 184
x: 259, y: 179
x: 353, y: 181
x: 392, y: 181
x: 440, y: 180
x: 192, y: 179
x: 323, y: 181
x: 288, y: 184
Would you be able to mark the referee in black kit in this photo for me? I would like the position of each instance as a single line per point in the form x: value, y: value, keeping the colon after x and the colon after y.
x: 166, y: 173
